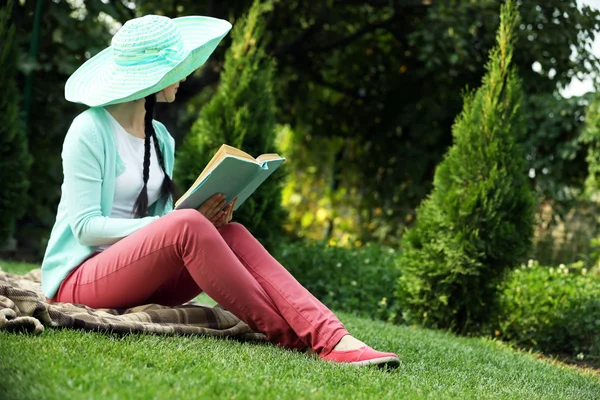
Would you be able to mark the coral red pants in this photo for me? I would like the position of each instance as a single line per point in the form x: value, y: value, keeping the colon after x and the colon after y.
x: 175, y: 258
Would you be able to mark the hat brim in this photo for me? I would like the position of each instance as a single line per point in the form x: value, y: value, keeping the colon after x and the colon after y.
x: 99, y: 81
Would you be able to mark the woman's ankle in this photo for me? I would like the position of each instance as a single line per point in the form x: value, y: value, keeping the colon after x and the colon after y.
x: 348, y: 343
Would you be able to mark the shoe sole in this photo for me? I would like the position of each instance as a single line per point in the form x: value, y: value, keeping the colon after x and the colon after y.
x: 382, y: 362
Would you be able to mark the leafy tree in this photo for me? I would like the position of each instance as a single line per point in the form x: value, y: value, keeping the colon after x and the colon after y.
x: 556, y: 153
x: 14, y: 157
x: 381, y: 77
x: 391, y: 83
x: 241, y: 114
x: 478, y: 221
x: 69, y: 34
x: 591, y: 136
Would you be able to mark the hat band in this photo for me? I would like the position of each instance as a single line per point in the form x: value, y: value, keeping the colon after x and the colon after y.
x: 170, y: 55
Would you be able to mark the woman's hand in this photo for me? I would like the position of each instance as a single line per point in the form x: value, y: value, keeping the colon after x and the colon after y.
x: 211, y: 209
x: 226, y: 215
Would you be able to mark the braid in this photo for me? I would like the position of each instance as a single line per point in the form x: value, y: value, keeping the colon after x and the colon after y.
x: 140, y: 207
x: 167, y: 188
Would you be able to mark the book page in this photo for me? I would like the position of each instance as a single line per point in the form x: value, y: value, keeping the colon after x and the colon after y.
x: 268, y: 157
x: 230, y: 150
x: 217, y: 158
x: 229, y: 177
x: 223, y: 152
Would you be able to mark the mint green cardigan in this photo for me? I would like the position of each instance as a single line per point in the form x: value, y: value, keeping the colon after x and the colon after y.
x: 91, y: 164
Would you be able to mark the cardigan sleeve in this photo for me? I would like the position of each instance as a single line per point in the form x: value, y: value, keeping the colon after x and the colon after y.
x: 82, y: 167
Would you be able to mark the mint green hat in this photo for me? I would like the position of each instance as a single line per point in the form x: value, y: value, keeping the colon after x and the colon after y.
x: 145, y: 56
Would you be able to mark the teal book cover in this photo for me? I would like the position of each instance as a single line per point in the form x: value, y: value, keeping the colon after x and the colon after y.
x: 232, y: 173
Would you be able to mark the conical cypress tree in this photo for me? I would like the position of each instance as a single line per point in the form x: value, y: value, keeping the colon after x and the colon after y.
x: 241, y: 114
x: 478, y: 221
x: 14, y: 156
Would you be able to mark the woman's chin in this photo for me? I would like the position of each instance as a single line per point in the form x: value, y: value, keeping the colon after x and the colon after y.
x: 165, y: 99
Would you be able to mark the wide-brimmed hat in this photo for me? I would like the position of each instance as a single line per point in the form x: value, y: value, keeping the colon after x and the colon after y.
x: 145, y: 56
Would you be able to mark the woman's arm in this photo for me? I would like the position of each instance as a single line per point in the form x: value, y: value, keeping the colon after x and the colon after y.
x: 82, y: 167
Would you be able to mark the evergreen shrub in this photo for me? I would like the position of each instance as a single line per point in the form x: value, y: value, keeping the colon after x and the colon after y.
x: 14, y: 156
x: 241, y: 114
x: 478, y: 221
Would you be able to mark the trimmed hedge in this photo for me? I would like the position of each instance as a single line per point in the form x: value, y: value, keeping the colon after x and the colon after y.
x: 552, y: 309
x: 359, y: 280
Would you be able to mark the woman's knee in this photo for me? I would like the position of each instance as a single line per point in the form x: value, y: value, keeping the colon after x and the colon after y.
x: 184, y: 215
x: 233, y: 229
x: 189, y: 220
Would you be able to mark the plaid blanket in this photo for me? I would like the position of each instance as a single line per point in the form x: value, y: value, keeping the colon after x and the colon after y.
x: 23, y: 307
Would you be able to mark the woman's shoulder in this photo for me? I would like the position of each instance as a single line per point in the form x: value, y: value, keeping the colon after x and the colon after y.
x: 88, y: 124
x: 89, y: 132
x: 91, y: 117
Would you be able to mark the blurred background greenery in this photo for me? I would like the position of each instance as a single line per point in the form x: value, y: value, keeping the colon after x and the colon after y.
x: 359, y: 95
x: 365, y: 95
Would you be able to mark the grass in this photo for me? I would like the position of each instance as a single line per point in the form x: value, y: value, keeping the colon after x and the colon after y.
x: 83, y: 365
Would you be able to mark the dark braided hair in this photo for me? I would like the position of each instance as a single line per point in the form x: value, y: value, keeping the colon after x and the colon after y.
x: 167, y: 189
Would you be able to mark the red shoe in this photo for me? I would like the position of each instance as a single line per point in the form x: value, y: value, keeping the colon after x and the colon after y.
x: 363, y: 356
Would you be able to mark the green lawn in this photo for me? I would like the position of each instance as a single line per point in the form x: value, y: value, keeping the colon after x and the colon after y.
x: 80, y: 365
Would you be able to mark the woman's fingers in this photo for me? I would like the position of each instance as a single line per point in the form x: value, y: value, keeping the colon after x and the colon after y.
x: 207, y: 205
x: 212, y: 206
x: 213, y: 210
x: 219, y: 207
x: 225, y: 216
x: 230, y: 211
x: 219, y: 219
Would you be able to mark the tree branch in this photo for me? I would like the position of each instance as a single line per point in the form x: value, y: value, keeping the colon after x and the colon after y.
x: 307, y: 33
x: 301, y: 38
x: 355, y: 35
x: 401, y: 39
x: 385, y: 3
x: 318, y: 79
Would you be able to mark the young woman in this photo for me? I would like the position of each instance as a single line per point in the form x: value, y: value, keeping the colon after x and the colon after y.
x: 117, y: 242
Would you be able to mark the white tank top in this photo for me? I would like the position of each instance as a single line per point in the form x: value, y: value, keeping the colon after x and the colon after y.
x: 130, y: 182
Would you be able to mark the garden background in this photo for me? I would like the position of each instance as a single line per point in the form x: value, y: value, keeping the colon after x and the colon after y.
x: 399, y: 121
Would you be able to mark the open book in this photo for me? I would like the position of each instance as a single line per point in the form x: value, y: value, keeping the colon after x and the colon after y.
x: 232, y: 173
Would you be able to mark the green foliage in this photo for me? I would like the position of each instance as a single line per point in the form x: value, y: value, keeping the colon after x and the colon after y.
x: 385, y: 76
x: 391, y: 79
x: 553, y: 310
x: 241, y: 114
x: 566, y: 237
x: 14, y: 156
x: 413, y: 59
x: 478, y: 221
x: 556, y: 153
x: 591, y: 137
x: 70, y: 33
x: 360, y: 280
x: 318, y: 208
